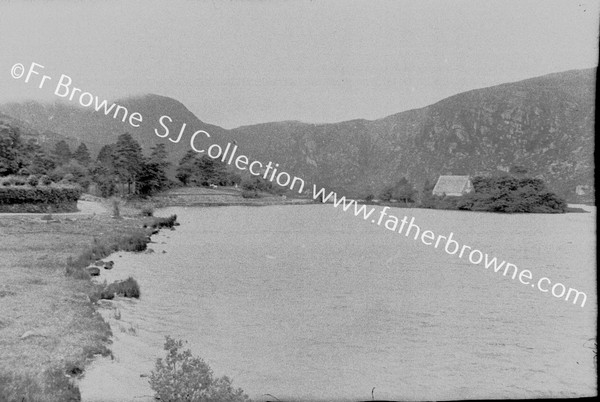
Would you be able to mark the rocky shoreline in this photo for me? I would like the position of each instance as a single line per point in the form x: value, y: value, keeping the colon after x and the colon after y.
x: 47, y: 341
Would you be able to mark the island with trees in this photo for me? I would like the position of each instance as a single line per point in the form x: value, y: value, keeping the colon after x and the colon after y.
x: 504, y: 192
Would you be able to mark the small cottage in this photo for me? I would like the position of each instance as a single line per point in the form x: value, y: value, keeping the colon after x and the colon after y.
x: 453, y: 186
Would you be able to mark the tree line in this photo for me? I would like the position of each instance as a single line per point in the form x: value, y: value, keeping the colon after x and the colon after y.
x: 119, y: 168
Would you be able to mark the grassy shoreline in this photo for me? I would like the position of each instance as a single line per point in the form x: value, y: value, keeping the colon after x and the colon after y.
x: 49, y: 324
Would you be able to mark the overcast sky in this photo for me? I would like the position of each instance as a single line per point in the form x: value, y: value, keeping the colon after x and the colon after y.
x: 242, y: 62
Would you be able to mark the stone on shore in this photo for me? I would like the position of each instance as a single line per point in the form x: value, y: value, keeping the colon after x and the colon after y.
x: 93, y: 271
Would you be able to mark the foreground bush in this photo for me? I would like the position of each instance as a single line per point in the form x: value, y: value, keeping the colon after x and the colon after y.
x: 127, y: 288
x: 182, y: 377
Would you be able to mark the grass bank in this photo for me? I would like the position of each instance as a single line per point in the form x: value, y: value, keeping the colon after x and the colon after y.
x: 221, y: 196
x: 49, y: 326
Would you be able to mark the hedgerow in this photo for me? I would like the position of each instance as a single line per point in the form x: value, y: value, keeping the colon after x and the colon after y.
x: 38, y: 195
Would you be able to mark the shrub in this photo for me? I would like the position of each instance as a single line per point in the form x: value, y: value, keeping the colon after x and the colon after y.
x: 249, y: 194
x: 51, y: 385
x: 32, y: 180
x: 135, y: 242
x: 68, y: 178
x: 107, y: 187
x: 116, y: 209
x: 147, y: 210
x: 45, y: 180
x: 183, y: 377
x: 77, y: 272
x: 159, y: 222
x: 98, y: 250
x: 57, y: 174
x: 127, y: 288
x: 16, y: 180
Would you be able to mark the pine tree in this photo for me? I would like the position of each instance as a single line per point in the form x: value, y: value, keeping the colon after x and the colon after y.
x: 82, y: 155
x: 153, y: 176
x: 187, y: 167
x: 106, y: 156
x: 62, y: 153
x: 129, y: 160
x: 208, y: 171
x: 404, y: 191
x: 10, y: 155
x: 151, y: 179
x: 158, y: 154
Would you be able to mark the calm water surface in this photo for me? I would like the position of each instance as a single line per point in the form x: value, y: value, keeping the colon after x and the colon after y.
x: 307, y: 302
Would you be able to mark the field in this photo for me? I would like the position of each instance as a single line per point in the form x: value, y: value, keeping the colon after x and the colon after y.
x: 221, y: 196
x: 48, y: 326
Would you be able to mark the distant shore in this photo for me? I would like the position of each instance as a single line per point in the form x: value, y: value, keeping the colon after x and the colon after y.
x: 230, y: 196
x: 217, y: 197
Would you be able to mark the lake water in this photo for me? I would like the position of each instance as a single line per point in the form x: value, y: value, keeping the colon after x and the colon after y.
x: 311, y: 303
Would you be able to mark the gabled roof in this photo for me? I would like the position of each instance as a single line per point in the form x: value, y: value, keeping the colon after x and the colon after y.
x: 451, y: 184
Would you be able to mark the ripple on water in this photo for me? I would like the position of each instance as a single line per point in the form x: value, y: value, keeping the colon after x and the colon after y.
x: 311, y: 303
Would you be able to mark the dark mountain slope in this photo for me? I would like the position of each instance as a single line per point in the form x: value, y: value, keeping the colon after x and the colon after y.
x: 545, y: 124
x: 97, y: 129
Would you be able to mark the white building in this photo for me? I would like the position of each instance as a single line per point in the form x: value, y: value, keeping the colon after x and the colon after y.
x: 453, y: 186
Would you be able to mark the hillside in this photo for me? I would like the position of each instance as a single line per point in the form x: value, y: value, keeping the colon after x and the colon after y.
x: 545, y: 124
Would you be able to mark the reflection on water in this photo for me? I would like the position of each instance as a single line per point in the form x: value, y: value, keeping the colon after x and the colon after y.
x: 307, y: 302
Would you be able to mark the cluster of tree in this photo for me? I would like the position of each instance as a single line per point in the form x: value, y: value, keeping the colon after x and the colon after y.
x: 28, y: 158
x: 119, y: 168
x: 511, y: 194
x: 252, y: 186
x: 18, y: 157
x: 196, y: 170
x: 402, y: 191
x: 124, y: 165
x: 204, y: 171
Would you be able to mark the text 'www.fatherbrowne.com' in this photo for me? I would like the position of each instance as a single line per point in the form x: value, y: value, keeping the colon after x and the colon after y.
x: 450, y: 246
x: 64, y: 88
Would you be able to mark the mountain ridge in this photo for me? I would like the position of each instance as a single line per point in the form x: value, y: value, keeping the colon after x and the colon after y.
x: 544, y: 123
